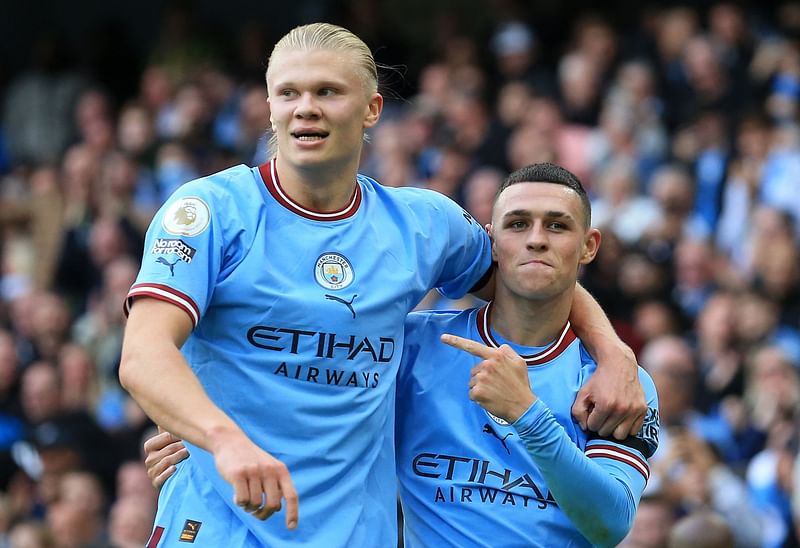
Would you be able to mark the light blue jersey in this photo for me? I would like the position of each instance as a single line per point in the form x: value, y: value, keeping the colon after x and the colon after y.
x: 468, y: 478
x: 298, y: 335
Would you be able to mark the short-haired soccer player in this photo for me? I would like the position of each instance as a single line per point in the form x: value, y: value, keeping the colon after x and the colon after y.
x: 488, y: 453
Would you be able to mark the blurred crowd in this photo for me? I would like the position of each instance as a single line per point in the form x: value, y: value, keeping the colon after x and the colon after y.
x: 684, y: 128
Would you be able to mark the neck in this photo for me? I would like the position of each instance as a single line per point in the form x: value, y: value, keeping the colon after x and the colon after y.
x: 529, y: 322
x: 319, y: 188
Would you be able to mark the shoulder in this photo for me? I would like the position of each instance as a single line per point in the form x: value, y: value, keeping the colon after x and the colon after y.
x: 235, y: 181
x: 437, y: 317
x: 435, y: 322
x: 412, y: 196
x: 224, y: 197
x: 422, y: 339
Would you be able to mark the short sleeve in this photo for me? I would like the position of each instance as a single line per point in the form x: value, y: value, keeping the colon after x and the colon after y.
x: 183, y: 251
x: 467, y: 251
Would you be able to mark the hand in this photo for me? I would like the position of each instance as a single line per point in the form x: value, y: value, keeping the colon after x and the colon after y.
x: 162, y: 452
x: 500, y: 382
x: 612, y: 400
x: 259, y: 480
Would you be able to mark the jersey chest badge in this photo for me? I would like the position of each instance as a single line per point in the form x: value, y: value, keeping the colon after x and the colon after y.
x: 333, y: 271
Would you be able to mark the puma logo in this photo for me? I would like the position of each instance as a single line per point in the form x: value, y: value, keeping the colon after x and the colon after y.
x: 348, y: 304
x: 171, y: 266
x: 487, y: 429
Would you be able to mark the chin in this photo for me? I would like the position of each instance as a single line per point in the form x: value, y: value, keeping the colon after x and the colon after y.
x: 546, y: 289
x: 307, y: 158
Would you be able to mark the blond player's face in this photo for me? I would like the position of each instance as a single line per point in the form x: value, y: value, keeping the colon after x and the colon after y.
x: 320, y: 106
x: 539, y: 239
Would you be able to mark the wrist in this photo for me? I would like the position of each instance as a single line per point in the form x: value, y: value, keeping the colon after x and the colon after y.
x: 219, y: 436
x: 520, y: 409
x: 617, y: 353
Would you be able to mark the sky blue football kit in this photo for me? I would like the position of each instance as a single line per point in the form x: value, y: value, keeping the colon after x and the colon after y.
x: 298, y: 333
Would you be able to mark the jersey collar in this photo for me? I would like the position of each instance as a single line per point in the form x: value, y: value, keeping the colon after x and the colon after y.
x: 269, y: 174
x: 553, y: 350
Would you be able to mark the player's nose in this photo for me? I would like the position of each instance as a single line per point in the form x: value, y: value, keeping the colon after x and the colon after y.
x: 537, y: 236
x: 307, y: 106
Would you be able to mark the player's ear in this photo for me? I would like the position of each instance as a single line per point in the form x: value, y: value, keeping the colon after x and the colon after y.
x: 490, y: 230
x: 374, y: 109
x: 591, y: 244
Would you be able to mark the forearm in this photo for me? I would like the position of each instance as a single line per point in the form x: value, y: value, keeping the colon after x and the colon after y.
x: 157, y: 376
x: 611, y: 402
x: 175, y: 401
x: 599, y: 500
x: 594, y: 329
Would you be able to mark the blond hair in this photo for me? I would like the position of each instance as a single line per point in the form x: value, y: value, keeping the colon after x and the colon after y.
x: 325, y: 36
x: 330, y: 37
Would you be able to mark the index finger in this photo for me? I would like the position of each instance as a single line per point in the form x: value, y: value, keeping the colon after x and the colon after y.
x: 468, y: 345
x: 290, y: 496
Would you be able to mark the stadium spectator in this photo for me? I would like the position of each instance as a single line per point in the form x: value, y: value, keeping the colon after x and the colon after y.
x: 700, y: 529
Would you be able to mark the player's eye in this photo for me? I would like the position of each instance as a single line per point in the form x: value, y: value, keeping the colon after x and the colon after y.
x: 326, y: 92
x: 517, y: 225
x: 287, y: 93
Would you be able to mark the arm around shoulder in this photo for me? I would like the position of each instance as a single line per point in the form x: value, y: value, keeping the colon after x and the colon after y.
x: 612, y: 402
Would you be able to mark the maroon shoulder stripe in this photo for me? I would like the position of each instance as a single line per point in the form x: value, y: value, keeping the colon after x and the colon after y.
x: 164, y: 293
x: 619, y: 454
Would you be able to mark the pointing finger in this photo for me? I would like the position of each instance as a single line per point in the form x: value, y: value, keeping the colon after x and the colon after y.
x: 467, y: 345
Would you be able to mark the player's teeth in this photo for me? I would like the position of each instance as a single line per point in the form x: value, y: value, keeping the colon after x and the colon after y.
x: 309, y: 137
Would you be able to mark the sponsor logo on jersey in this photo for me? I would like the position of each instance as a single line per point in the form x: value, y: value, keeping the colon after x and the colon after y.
x: 187, y: 216
x: 329, y: 355
x: 470, y: 481
x: 190, y: 530
x: 170, y: 246
x: 333, y: 271
x: 320, y: 344
x: 327, y: 375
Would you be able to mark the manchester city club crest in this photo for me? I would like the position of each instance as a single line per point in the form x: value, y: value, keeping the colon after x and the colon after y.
x: 333, y: 271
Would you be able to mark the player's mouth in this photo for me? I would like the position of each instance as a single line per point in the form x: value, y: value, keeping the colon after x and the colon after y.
x: 536, y: 262
x: 309, y: 135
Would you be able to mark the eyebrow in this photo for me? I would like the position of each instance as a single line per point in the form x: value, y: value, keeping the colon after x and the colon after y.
x: 339, y: 84
x: 551, y: 214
